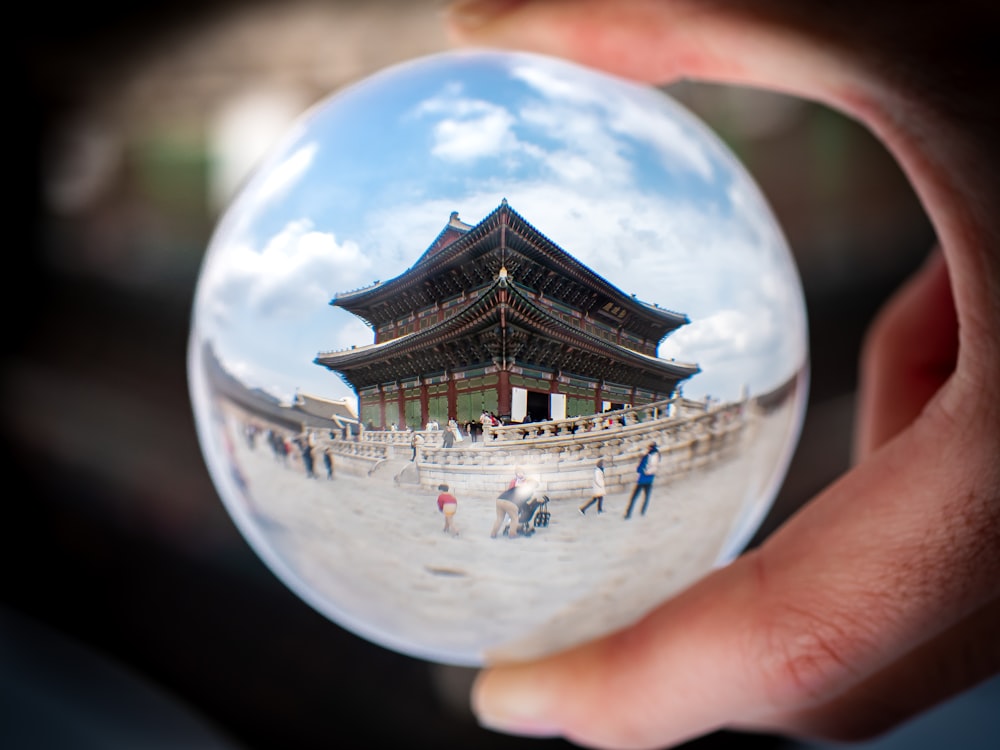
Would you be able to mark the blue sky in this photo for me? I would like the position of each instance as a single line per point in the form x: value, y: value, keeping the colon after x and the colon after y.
x: 617, y: 174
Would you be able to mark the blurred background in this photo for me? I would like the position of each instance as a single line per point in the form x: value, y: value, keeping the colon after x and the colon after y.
x: 133, y: 614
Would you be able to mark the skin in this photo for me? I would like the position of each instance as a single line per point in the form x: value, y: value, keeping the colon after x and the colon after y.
x: 881, y: 596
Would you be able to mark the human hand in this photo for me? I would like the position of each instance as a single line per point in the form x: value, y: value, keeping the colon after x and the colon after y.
x: 881, y: 596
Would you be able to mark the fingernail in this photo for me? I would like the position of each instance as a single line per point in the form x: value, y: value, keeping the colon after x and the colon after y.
x: 506, y: 704
x: 474, y: 13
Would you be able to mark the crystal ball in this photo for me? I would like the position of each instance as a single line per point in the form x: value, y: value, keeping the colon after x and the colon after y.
x: 493, y: 353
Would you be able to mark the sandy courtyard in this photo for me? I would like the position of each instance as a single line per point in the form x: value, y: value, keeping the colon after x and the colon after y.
x: 374, y: 557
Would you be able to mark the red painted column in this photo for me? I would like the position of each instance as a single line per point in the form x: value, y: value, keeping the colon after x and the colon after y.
x: 425, y: 411
x: 503, y: 393
x: 452, y: 397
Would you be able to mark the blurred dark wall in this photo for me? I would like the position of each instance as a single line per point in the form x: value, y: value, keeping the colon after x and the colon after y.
x: 122, y: 571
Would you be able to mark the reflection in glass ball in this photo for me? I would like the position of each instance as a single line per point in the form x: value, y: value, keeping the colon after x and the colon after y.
x: 494, y: 353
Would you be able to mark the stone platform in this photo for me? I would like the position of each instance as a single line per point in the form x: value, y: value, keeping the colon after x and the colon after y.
x: 560, y: 454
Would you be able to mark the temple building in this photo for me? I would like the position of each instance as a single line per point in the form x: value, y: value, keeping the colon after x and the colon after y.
x: 497, y: 317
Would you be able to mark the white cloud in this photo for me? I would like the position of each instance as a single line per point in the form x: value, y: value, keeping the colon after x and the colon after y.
x: 268, y: 183
x: 679, y: 149
x: 543, y: 78
x: 583, y: 140
x: 468, y: 128
x: 486, y: 134
x: 723, y: 335
x: 296, y: 272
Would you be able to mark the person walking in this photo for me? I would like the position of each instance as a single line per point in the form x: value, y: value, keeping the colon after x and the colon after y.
x: 306, y: 449
x: 328, y: 463
x: 415, y: 440
x: 598, y: 490
x: 646, y: 471
x: 448, y: 505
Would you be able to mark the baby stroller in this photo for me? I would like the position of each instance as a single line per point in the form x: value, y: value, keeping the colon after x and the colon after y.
x: 532, y: 512
x: 541, y: 513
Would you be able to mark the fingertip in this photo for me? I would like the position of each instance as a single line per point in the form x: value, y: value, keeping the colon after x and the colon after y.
x: 510, y: 700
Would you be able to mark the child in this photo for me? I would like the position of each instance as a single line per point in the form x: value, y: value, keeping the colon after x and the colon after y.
x: 448, y: 504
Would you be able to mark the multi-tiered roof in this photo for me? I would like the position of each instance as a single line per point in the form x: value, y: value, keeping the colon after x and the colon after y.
x: 506, y: 296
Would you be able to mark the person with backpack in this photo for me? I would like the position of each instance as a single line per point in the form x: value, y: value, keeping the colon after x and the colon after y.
x: 646, y: 471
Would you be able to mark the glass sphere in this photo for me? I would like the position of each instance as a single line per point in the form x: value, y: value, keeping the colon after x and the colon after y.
x: 493, y: 353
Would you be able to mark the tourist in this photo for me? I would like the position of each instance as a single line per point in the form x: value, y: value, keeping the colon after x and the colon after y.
x: 510, y: 502
x: 456, y: 428
x: 415, y: 440
x: 515, y: 503
x: 277, y: 445
x: 598, y: 489
x: 878, y: 598
x: 505, y: 509
x: 328, y: 462
x: 448, y: 438
x: 306, y: 449
x: 251, y: 435
x: 486, y: 422
x: 646, y: 471
x: 448, y: 505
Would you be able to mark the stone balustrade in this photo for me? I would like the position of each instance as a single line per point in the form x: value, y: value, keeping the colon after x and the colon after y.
x: 401, y: 437
x: 688, y: 438
x: 560, y: 453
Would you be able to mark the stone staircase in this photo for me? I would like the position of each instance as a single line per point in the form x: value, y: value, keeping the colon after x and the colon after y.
x: 395, y: 470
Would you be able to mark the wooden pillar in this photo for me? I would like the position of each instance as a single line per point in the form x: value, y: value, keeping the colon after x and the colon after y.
x: 425, y: 411
x: 381, y: 407
x: 503, y: 393
x: 401, y: 405
x: 598, y: 397
x: 452, y: 397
